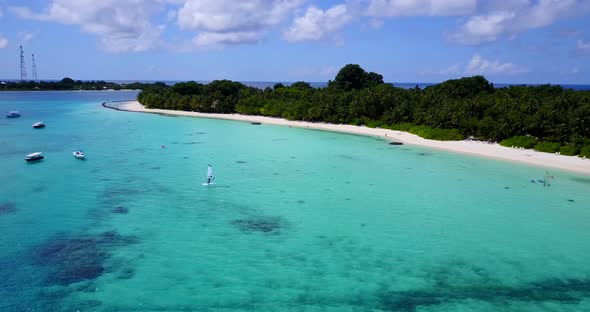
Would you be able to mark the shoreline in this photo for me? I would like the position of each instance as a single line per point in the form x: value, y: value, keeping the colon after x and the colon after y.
x: 477, y: 148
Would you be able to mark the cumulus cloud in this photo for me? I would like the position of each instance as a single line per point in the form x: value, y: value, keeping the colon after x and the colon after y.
x: 220, y: 38
x: 480, y: 66
x: 3, y: 42
x: 233, y: 22
x: 420, y: 7
x: 510, y: 18
x: 488, y: 26
x: 583, y: 48
x: 317, y: 24
x: 128, y: 25
x: 121, y: 25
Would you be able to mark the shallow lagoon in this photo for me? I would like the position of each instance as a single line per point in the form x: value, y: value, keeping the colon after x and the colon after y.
x: 298, y: 220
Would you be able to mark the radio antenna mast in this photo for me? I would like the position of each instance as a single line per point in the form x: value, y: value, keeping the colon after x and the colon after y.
x: 23, y: 70
x: 34, y: 68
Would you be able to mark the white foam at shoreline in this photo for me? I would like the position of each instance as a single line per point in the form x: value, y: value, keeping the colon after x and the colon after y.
x: 496, y: 151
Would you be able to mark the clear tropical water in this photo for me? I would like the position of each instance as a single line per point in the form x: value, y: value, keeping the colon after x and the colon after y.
x: 298, y: 220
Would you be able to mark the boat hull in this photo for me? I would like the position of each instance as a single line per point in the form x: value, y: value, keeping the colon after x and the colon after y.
x: 79, y: 156
x: 33, y: 159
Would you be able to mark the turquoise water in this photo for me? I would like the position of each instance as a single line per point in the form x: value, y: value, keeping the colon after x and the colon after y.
x: 298, y: 220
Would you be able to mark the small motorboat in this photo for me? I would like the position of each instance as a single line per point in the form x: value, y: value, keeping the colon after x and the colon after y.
x: 79, y: 154
x: 34, y: 157
x: 39, y: 125
x: 13, y: 114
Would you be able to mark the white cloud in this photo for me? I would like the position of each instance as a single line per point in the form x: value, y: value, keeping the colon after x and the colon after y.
x: 221, y: 22
x: 121, y: 25
x: 583, y: 48
x: 486, y: 28
x: 1, y: 12
x: 480, y: 66
x: 220, y: 38
x: 317, y: 24
x: 3, y: 42
x: 420, y: 7
x: 508, y: 19
x: 26, y: 36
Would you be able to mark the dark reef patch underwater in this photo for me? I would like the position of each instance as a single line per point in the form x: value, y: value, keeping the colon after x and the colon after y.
x: 120, y: 210
x: 7, y: 207
x: 271, y: 225
x: 581, y: 180
x: 570, y: 291
x: 72, y: 259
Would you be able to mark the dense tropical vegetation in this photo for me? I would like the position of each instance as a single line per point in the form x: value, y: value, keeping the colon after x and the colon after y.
x: 547, y: 118
x: 67, y: 84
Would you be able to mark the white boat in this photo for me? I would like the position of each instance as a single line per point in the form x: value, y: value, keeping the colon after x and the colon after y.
x: 34, y: 157
x: 39, y: 125
x: 79, y: 154
x: 13, y: 114
x: 210, y: 175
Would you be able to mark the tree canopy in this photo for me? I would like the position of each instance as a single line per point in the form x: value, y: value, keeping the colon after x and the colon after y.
x: 353, y: 77
x: 302, y: 85
x: 454, y: 109
x: 68, y: 84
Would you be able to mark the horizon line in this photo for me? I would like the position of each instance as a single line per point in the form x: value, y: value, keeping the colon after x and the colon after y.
x: 278, y: 81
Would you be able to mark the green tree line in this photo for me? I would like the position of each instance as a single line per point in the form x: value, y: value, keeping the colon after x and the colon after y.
x: 452, y: 110
x: 68, y: 84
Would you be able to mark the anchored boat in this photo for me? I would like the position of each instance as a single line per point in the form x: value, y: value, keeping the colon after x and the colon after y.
x: 34, y: 157
x: 79, y: 154
x: 13, y: 114
x: 39, y: 125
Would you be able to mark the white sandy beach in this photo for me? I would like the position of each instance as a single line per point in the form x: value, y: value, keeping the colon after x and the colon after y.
x: 546, y: 160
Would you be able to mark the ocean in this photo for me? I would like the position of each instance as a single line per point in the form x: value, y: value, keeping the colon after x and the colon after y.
x: 323, y: 84
x: 297, y: 220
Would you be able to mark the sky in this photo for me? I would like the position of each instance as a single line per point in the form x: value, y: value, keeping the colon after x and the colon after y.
x: 510, y: 41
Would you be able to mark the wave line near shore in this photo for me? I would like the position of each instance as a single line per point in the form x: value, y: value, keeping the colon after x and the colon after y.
x: 478, y: 148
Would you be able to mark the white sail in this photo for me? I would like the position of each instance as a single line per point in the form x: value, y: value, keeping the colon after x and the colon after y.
x: 210, y: 175
x: 210, y: 172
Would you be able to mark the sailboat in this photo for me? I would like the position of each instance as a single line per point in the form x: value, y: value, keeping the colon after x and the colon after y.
x: 210, y: 176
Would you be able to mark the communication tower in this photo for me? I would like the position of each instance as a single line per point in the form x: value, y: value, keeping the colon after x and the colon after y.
x: 34, y: 68
x: 23, y: 70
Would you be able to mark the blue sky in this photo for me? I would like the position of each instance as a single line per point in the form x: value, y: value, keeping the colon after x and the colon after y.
x: 511, y: 41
